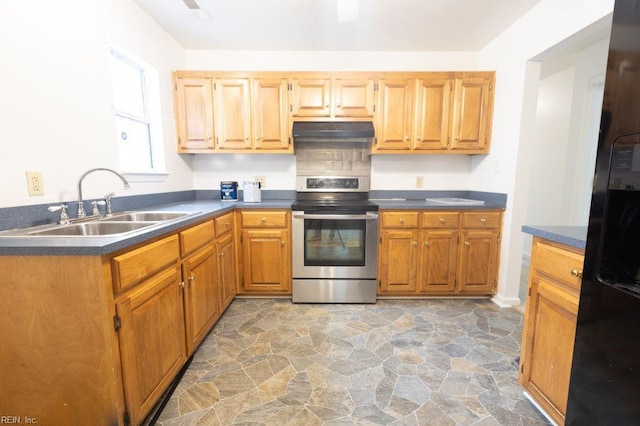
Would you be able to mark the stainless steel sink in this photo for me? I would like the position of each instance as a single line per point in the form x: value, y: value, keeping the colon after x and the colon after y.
x: 99, y: 228
x: 144, y: 216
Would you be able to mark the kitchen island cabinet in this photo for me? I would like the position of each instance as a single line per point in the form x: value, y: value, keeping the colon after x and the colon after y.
x: 440, y: 253
x: 550, y: 324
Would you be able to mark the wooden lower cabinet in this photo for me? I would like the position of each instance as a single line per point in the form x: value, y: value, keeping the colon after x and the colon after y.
x: 99, y: 339
x: 201, y: 299
x: 266, y: 251
x: 550, y: 325
x: 152, y: 340
x: 227, y: 277
x: 439, y: 252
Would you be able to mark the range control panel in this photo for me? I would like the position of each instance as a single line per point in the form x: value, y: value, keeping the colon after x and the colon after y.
x: 333, y: 183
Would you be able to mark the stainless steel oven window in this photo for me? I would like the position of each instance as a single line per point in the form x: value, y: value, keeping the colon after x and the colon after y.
x: 329, y: 242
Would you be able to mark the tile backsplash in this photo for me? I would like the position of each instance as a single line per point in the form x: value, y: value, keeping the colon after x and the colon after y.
x: 333, y: 159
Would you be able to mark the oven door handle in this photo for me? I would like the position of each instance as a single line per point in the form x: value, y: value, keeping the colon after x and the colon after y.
x: 368, y: 216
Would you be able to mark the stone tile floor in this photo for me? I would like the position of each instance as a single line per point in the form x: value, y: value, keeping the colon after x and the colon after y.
x: 402, y: 362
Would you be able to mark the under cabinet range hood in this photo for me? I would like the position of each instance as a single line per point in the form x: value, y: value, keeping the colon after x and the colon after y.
x: 333, y: 131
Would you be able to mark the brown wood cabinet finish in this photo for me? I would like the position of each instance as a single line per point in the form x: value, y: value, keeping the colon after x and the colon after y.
x: 549, y: 324
x: 412, y: 112
x: 266, y: 251
x: 98, y: 337
x: 440, y: 252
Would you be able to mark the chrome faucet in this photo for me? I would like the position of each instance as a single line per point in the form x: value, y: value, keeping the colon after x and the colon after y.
x: 81, y: 212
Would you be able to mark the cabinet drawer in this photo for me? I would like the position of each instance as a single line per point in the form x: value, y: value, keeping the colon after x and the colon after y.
x: 131, y: 267
x: 408, y: 219
x: 448, y: 220
x: 224, y: 224
x: 195, y: 237
x: 264, y: 219
x: 481, y: 220
x: 558, y: 263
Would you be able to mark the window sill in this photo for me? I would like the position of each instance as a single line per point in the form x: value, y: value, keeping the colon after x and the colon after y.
x: 136, y: 177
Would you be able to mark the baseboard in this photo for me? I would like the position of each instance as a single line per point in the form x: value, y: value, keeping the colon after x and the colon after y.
x: 505, y: 302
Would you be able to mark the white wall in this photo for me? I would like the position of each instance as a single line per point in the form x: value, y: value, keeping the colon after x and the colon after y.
x: 55, y: 108
x: 388, y: 171
x: 506, y: 169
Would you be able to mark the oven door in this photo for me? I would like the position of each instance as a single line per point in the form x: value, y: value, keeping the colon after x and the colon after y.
x: 335, y: 246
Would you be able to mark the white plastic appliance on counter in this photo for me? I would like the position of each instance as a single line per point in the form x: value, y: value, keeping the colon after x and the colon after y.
x: 251, y: 192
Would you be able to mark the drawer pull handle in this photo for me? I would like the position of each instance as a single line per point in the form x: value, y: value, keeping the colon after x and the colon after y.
x: 264, y: 219
x: 483, y: 220
x: 442, y: 220
x: 576, y: 273
x: 402, y: 221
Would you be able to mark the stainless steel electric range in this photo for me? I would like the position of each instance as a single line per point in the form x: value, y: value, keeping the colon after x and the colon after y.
x: 335, y: 236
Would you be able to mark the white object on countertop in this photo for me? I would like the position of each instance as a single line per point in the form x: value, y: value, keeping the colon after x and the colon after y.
x: 456, y: 201
x: 251, y: 192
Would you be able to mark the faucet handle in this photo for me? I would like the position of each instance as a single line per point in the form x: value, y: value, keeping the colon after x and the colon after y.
x: 107, y: 201
x: 64, y: 216
x: 96, y: 210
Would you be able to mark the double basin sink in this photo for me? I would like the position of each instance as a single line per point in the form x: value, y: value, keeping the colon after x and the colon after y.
x: 119, y: 223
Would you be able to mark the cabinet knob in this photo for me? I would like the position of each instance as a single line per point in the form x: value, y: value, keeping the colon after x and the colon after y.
x: 576, y: 273
x: 415, y: 243
x: 402, y: 221
x: 442, y: 221
x: 466, y: 243
x: 192, y: 278
x: 227, y: 224
x: 221, y: 254
x: 263, y: 220
x: 338, y: 106
x: 181, y: 284
x: 483, y: 220
x: 426, y: 243
x: 419, y: 140
x: 406, y: 138
x: 456, y: 138
x: 282, y: 243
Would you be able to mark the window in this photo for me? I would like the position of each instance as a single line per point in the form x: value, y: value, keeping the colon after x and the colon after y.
x: 136, y: 110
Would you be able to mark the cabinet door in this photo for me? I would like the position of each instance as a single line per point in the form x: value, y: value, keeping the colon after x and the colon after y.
x: 266, y: 259
x: 547, y: 351
x: 194, y: 111
x: 310, y: 97
x: 353, y: 98
x: 270, y: 115
x: 200, y: 295
x: 478, y: 261
x: 471, y: 114
x: 439, y: 261
x: 399, y: 261
x: 233, y: 114
x: 395, y: 115
x: 227, y: 282
x: 433, y: 109
x: 152, y: 340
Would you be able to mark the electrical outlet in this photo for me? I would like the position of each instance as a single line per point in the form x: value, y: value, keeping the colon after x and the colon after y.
x: 419, y: 181
x: 262, y: 180
x: 34, y: 183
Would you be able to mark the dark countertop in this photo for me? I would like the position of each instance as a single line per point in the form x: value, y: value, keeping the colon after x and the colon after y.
x: 574, y: 236
x: 204, y: 207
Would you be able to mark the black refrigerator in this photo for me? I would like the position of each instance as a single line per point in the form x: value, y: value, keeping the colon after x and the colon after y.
x: 605, y: 376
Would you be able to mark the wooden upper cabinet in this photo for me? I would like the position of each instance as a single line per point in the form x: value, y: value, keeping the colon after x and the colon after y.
x: 395, y: 114
x: 270, y: 116
x: 233, y: 113
x: 353, y: 97
x: 194, y: 110
x: 471, y: 125
x: 433, y: 110
x: 310, y: 97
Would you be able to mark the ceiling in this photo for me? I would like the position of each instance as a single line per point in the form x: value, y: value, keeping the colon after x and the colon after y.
x: 381, y: 25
